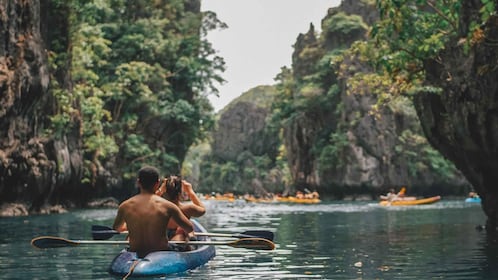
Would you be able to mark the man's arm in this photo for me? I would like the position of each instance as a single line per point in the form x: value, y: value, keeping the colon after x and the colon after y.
x: 180, y: 219
x: 119, y: 222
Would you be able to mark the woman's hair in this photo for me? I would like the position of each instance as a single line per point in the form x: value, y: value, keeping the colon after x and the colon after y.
x: 173, y: 187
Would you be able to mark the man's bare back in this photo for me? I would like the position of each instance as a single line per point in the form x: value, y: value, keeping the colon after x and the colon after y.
x: 146, y: 217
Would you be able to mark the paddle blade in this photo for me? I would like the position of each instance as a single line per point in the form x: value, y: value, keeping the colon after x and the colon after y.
x: 256, y: 233
x: 43, y: 242
x: 253, y: 243
x: 103, y: 232
x: 100, y: 228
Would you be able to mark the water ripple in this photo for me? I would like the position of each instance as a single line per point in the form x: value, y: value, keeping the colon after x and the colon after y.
x: 330, y: 240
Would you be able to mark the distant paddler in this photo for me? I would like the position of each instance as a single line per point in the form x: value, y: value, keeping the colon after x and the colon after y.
x: 393, y: 196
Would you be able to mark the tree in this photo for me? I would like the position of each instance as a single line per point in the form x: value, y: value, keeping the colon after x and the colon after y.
x: 138, y: 77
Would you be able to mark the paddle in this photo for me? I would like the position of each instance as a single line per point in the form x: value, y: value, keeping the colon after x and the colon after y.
x: 104, y: 232
x: 43, y: 242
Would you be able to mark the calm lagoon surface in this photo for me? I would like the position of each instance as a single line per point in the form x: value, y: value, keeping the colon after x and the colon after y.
x: 330, y: 240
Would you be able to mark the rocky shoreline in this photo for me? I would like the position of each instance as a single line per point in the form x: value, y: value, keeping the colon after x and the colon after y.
x: 15, y: 209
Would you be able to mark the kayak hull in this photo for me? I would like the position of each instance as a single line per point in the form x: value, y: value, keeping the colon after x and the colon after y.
x: 428, y: 200
x: 163, y: 262
x: 293, y: 199
x: 473, y: 199
x: 385, y: 197
x: 284, y: 200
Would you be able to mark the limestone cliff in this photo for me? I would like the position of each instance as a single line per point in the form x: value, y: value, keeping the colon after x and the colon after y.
x: 334, y: 140
x: 241, y: 129
x: 462, y: 122
x: 34, y: 167
x: 368, y: 150
x: 244, y: 147
x: 43, y: 160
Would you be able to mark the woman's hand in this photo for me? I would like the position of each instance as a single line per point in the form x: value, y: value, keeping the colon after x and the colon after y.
x: 187, y: 190
x: 187, y: 187
x: 162, y: 188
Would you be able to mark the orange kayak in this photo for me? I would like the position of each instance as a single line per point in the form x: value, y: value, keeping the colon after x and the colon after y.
x: 427, y: 200
x: 293, y: 199
x: 260, y: 200
x: 289, y: 199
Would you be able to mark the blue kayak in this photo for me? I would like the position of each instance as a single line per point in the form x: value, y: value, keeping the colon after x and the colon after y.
x: 473, y: 199
x: 163, y: 262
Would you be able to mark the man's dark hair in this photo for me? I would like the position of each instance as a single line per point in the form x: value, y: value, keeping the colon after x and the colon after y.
x: 148, y: 177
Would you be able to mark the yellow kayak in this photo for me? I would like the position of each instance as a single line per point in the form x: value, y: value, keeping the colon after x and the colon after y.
x: 219, y: 197
x: 428, y: 200
x: 259, y: 200
x: 292, y: 199
x: 289, y: 199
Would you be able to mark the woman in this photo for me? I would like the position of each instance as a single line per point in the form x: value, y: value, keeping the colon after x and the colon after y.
x: 171, y: 189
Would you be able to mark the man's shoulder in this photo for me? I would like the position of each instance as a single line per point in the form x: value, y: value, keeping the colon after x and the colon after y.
x: 128, y: 201
x: 124, y: 203
x: 162, y: 201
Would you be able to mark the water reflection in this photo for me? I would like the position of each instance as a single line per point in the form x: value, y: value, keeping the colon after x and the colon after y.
x: 323, y: 241
x: 486, y: 254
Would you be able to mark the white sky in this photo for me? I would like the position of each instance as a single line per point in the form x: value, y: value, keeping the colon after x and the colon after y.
x: 259, y: 39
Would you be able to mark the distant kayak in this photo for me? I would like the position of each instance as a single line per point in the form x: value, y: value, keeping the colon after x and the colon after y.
x: 288, y: 199
x: 293, y: 199
x: 473, y: 199
x: 399, y: 198
x: 162, y: 263
x: 428, y: 200
x: 224, y: 197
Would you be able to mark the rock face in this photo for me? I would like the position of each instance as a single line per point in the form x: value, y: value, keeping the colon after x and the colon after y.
x: 13, y: 209
x: 41, y: 166
x: 33, y: 167
x: 377, y: 151
x: 462, y: 122
x: 373, y: 152
x: 244, y: 147
x: 242, y: 129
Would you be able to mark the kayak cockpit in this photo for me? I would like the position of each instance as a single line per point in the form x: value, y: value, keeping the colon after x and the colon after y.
x: 163, y: 262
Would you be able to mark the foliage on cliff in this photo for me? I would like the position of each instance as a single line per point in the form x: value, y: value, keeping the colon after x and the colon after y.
x: 244, y: 148
x: 129, y: 80
x: 443, y: 55
x: 137, y: 73
x: 332, y: 134
x: 412, y: 48
x: 360, y: 136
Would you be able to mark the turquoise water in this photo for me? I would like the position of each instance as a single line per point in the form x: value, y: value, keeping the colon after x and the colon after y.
x: 335, y: 240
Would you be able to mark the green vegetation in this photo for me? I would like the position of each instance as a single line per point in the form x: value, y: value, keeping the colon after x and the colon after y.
x: 421, y: 157
x: 409, y: 33
x: 332, y: 152
x: 240, y: 173
x: 132, y: 78
x: 238, y: 176
x: 261, y: 96
x: 387, y: 65
x: 344, y: 24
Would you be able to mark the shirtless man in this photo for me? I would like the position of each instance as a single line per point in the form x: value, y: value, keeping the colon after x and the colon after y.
x: 171, y: 189
x: 146, y: 216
